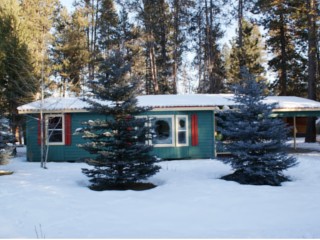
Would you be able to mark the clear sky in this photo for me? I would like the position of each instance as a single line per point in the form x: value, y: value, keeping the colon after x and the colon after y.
x: 67, y: 3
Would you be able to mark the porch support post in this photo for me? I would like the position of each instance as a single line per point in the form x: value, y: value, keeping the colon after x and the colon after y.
x: 214, y: 134
x: 294, y: 133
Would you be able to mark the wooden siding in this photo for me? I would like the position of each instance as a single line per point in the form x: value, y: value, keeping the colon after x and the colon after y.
x: 58, y: 153
x: 33, y: 150
x: 204, y: 149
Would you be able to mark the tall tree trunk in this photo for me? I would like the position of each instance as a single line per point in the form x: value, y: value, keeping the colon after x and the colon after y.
x: 200, y: 67
x: 154, y: 72
x: 312, y: 66
x: 92, y: 8
x: 198, y: 36
x: 176, y: 44
x: 283, y: 76
x: 207, y: 52
x: 163, y: 78
x: 240, y: 35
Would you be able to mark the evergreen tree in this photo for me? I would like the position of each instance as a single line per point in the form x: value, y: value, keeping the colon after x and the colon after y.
x: 293, y: 26
x: 313, y: 78
x: 70, y: 52
x: 181, y: 13
x: 255, y: 140
x: 5, y: 150
x: 38, y: 16
x: 156, y: 21
x: 241, y: 8
x: 284, y: 42
x: 17, y: 79
x: 89, y: 11
x: 253, y: 54
x: 118, y: 141
x: 107, y: 26
x: 130, y: 40
x: 206, y: 33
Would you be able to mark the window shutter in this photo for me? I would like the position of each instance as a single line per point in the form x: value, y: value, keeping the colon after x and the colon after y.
x: 67, y: 129
x: 194, y: 130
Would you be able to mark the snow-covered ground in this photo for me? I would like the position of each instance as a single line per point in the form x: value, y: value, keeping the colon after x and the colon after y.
x: 300, y: 144
x: 189, y: 202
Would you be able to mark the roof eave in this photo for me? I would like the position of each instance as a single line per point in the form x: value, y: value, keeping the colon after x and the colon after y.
x: 37, y: 111
x: 296, y: 110
x: 165, y: 108
x: 154, y: 109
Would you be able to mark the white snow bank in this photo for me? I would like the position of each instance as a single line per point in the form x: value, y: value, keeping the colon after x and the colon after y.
x: 190, y: 202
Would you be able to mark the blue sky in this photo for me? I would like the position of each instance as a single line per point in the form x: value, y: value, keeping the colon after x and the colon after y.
x: 67, y: 3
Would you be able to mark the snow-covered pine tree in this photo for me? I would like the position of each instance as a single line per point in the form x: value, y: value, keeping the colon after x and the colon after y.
x: 121, y: 157
x: 5, y: 150
x: 255, y: 140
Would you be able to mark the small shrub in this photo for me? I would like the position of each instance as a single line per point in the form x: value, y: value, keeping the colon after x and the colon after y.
x: 4, y: 157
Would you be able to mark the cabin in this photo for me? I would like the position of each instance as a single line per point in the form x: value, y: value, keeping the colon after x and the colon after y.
x: 185, y: 125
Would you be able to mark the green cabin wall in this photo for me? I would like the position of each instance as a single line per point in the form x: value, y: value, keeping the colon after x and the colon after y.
x: 205, y: 148
x: 63, y: 153
x: 58, y: 153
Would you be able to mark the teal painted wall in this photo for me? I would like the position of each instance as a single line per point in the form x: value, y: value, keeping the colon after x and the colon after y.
x: 33, y: 150
x: 205, y: 148
x: 59, y: 153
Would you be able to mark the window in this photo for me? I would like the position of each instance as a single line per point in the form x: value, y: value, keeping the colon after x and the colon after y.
x: 163, y: 131
x: 182, y: 130
x: 55, y: 129
x: 169, y: 130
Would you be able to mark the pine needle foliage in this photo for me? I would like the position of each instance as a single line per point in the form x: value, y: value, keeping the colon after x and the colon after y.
x: 255, y: 140
x: 121, y: 156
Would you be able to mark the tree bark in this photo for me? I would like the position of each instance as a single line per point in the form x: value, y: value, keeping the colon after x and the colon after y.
x: 283, y: 76
x: 312, y: 66
x: 240, y: 35
x: 176, y: 44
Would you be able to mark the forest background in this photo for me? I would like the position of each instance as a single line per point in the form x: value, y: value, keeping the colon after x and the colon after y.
x: 173, y: 46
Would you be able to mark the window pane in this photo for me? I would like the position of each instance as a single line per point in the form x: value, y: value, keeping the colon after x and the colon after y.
x: 163, y: 131
x: 181, y: 123
x: 55, y: 123
x: 182, y: 130
x: 55, y: 135
x: 182, y: 138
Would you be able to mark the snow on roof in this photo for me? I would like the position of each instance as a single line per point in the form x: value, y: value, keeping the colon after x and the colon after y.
x: 291, y: 102
x: 74, y: 104
x: 54, y: 104
x: 188, y: 100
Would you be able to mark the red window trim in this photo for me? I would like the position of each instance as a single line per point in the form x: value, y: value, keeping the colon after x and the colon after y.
x: 39, y: 130
x: 194, y: 130
x: 67, y: 128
